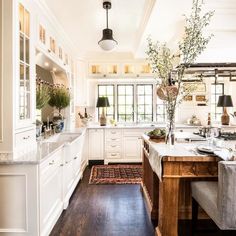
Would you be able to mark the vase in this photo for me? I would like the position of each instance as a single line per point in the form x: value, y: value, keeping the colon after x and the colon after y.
x: 170, y: 132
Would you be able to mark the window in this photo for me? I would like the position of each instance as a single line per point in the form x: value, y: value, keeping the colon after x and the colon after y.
x: 125, y: 103
x: 107, y: 91
x: 144, y: 103
x: 217, y: 89
x: 161, y: 110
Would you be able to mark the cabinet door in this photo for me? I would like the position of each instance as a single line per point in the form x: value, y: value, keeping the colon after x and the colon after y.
x: 68, y: 177
x: 132, y: 147
x: 51, y: 201
x: 25, y: 71
x: 96, y: 144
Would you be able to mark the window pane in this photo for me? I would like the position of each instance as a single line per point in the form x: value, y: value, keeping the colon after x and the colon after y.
x: 140, y: 99
x: 129, y: 100
x: 107, y: 91
x: 121, y: 100
x: 144, y: 102
x: 216, y: 90
x: 125, y: 98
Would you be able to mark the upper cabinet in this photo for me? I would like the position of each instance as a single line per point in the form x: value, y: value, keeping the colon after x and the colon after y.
x: 133, y: 69
x: 49, y: 43
x: 24, y: 98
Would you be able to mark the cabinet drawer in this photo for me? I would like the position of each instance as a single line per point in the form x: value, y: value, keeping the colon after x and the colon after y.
x: 113, y: 155
x: 113, y: 148
x: 113, y: 139
x: 25, y: 138
x: 113, y: 133
x: 199, y: 169
x: 113, y: 142
x: 50, y: 165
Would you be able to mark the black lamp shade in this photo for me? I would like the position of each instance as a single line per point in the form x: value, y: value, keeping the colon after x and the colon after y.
x: 102, y: 102
x: 225, y: 101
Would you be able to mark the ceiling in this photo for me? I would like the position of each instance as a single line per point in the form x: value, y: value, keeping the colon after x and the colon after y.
x: 133, y: 20
x: 83, y: 21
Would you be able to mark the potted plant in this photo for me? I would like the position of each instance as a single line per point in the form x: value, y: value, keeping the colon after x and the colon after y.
x: 165, y: 63
x: 60, y: 99
x: 42, y: 98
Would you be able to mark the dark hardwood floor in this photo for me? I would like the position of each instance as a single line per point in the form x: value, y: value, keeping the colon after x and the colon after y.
x: 115, y: 210
x: 104, y: 210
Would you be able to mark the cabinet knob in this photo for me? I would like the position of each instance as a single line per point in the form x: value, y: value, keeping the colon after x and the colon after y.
x: 75, y: 158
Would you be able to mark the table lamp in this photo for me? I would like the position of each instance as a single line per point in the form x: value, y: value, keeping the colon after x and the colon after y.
x: 225, y: 101
x: 103, y: 102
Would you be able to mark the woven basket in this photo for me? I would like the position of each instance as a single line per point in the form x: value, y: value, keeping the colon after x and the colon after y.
x: 157, y: 139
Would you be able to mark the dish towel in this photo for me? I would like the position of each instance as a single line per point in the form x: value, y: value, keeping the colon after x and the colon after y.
x: 155, y: 162
x: 225, y: 154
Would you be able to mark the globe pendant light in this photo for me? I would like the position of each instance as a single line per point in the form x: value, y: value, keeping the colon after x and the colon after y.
x: 107, y: 42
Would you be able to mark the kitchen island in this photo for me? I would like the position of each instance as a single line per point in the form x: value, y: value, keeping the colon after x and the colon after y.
x: 167, y: 173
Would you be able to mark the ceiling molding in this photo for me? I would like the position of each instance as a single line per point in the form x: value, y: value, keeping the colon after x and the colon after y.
x: 149, y: 4
x: 56, y: 25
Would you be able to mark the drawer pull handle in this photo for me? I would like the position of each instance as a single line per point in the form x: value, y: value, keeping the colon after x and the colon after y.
x: 61, y: 165
x: 113, y: 139
x: 26, y: 137
x: 113, y: 132
x: 51, y: 163
x: 113, y: 155
x: 113, y: 146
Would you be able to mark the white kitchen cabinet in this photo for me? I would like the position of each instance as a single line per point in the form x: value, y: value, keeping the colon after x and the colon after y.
x: 51, y: 199
x: 68, y: 179
x: 116, y: 144
x: 39, y: 191
x: 96, y: 144
x: 132, y: 148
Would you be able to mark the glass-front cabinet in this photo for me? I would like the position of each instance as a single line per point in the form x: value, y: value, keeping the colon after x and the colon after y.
x: 24, y: 86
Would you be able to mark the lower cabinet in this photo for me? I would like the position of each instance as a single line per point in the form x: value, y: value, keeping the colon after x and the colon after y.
x: 33, y: 196
x: 132, y: 148
x: 96, y: 144
x: 51, y: 199
x: 116, y: 144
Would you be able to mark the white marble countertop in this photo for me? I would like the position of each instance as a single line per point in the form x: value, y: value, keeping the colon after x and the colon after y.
x: 42, y: 151
x: 138, y: 126
x: 36, y: 156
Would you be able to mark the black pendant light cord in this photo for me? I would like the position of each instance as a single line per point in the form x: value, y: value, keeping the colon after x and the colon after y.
x: 107, y: 16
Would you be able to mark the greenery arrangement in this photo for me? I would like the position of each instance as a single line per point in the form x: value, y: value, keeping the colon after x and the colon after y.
x: 59, y: 97
x: 42, y: 94
x: 165, y: 63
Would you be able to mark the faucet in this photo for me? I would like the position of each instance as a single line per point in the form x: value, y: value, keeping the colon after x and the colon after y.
x: 48, y: 130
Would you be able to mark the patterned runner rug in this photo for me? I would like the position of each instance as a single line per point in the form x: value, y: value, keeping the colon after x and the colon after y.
x: 116, y: 174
